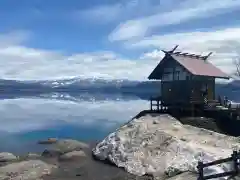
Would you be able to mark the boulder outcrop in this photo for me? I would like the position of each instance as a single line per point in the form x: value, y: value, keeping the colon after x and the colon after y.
x: 162, y: 145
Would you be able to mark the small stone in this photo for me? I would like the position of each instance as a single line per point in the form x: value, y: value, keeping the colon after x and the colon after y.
x: 72, y: 155
x: 183, y: 139
x: 51, y: 153
x: 6, y: 157
x: 64, y: 146
x: 33, y: 156
x: 155, y: 122
x: 48, y: 141
x: 130, y: 125
x: 172, y: 172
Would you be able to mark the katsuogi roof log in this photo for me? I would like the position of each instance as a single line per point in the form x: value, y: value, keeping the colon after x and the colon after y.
x: 193, y: 63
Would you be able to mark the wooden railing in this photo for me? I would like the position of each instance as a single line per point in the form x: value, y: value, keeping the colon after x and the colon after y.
x: 157, y: 103
x: 235, y: 157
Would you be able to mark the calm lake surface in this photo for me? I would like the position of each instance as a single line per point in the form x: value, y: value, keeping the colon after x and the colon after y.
x: 27, y: 118
x: 86, y: 110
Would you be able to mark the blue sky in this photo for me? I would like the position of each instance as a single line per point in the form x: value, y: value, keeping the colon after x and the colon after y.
x: 42, y: 39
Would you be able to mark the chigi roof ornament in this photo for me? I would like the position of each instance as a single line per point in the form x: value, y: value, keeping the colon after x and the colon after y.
x: 195, y: 64
x: 179, y: 53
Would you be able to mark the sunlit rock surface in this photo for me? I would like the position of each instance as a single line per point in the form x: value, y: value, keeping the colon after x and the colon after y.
x: 25, y: 170
x: 74, y: 155
x: 162, y: 145
x: 63, y: 146
x: 6, y: 156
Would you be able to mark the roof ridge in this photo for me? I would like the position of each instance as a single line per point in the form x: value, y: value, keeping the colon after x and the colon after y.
x: 179, y: 53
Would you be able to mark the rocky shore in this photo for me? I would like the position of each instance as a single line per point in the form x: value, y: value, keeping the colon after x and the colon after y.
x: 62, y: 159
x: 163, y: 147
x: 146, y: 148
x: 67, y: 159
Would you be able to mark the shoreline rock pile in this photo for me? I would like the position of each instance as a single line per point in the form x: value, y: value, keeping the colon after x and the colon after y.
x: 147, y: 148
x: 36, y: 166
x: 161, y: 146
x: 62, y: 159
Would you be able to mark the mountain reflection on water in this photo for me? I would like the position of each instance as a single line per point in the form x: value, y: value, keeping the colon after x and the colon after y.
x: 81, y: 109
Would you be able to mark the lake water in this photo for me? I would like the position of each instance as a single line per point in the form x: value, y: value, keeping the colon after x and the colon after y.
x: 27, y: 117
x: 86, y: 110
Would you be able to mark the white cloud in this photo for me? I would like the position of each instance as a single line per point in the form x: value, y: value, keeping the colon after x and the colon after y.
x: 105, y: 13
x: 227, y: 37
x: 117, y: 12
x: 23, y: 63
x: 183, y: 12
x: 14, y: 37
x: 224, y: 43
x: 155, y: 54
x: 32, y: 114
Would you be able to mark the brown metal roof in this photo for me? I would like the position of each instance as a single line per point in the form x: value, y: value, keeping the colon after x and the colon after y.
x: 195, y: 64
x: 199, y: 66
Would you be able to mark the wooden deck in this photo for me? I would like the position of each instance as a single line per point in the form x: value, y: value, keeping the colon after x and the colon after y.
x: 156, y: 104
x: 227, y: 118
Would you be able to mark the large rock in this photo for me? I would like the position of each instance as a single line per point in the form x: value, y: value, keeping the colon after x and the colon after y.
x: 6, y: 157
x: 25, y: 170
x: 64, y: 146
x: 162, y: 145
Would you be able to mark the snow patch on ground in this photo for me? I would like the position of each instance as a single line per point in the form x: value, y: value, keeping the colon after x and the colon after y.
x: 162, y: 144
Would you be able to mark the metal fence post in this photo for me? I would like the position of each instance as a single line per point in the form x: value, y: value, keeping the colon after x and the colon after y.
x: 151, y: 108
x: 235, y: 161
x: 200, y: 170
